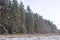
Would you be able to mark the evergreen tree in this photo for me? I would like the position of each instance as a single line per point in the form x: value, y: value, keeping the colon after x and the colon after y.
x: 40, y: 24
x: 30, y: 24
x: 53, y: 27
x: 11, y: 20
x: 16, y: 17
x: 23, y: 18
x: 48, y: 27
x: 4, y: 14
x: 36, y: 23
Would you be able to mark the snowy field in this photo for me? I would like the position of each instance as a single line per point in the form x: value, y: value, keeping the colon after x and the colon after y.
x: 31, y: 38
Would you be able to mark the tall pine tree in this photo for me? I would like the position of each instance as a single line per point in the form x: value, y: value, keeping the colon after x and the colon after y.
x: 30, y: 27
x: 4, y: 14
x: 16, y: 17
x: 23, y: 18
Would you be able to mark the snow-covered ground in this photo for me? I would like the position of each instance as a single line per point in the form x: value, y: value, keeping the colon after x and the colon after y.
x: 32, y: 38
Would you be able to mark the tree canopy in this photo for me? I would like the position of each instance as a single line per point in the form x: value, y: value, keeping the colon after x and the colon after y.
x: 15, y: 19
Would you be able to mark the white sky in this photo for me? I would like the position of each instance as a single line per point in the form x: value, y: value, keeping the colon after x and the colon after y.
x: 49, y: 9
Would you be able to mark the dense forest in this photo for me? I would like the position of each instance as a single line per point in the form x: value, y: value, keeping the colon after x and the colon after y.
x: 14, y: 19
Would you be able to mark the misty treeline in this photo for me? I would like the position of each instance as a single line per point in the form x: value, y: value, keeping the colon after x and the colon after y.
x: 14, y: 19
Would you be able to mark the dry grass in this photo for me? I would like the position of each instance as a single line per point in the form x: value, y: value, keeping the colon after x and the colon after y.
x: 27, y: 35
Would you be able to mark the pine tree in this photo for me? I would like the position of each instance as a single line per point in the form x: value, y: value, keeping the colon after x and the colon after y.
x: 36, y: 23
x: 16, y: 17
x: 48, y: 28
x: 10, y: 23
x: 23, y: 18
x: 41, y: 24
x: 4, y: 14
x: 53, y: 27
x: 30, y: 21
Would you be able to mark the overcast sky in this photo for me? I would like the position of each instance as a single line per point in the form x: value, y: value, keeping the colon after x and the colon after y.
x: 49, y: 9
